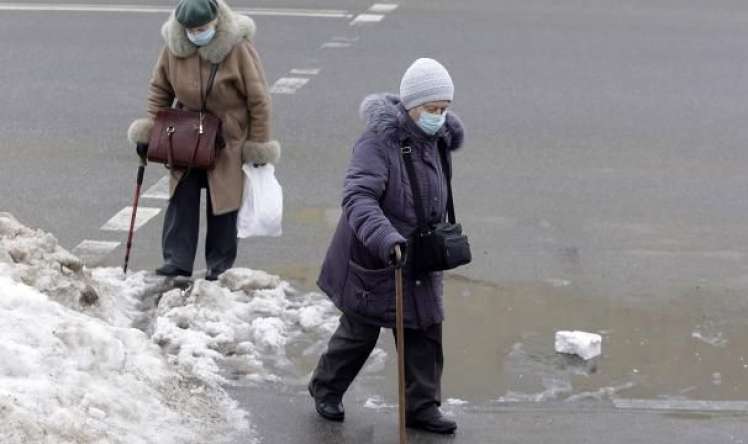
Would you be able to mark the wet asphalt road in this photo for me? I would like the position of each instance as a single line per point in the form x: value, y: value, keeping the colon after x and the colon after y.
x: 602, y: 185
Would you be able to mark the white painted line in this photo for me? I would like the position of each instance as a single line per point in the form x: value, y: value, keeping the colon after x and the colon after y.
x: 305, y: 71
x: 160, y: 190
x: 367, y: 18
x: 726, y: 255
x: 383, y: 8
x: 78, y: 7
x: 345, y: 39
x: 91, y: 252
x: 321, y: 13
x: 288, y: 85
x: 335, y: 45
x: 682, y: 405
x: 121, y: 220
x: 147, y: 9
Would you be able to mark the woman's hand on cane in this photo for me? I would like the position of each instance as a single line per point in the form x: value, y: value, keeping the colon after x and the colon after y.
x: 399, y: 255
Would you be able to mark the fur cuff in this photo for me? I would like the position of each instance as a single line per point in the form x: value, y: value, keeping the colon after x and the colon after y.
x: 261, y: 152
x: 140, y: 131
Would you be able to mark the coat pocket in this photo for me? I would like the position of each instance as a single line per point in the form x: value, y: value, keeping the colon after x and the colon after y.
x: 372, y: 291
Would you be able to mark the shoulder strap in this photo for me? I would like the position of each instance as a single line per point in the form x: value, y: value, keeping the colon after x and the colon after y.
x: 447, y: 167
x: 211, y: 80
x: 407, y: 152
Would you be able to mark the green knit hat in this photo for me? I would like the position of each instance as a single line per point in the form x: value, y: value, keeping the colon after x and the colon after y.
x: 194, y: 13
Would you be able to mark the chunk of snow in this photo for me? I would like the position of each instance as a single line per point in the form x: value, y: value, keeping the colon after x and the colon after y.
x: 248, y: 280
x: 456, y: 402
x: 583, y: 344
x: 377, y: 403
x: 376, y: 362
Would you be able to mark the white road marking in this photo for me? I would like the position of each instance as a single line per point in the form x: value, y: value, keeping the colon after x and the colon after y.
x: 682, y: 405
x: 305, y: 71
x: 160, y: 190
x: 335, y: 45
x: 726, y: 255
x: 146, y: 9
x: 322, y: 13
x: 367, y: 18
x: 121, y: 220
x: 91, y: 252
x: 383, y: 8
x: 288, y: 85
x: 339, y: 38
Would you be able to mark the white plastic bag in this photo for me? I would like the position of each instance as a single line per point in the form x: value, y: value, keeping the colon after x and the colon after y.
x: 261, y: 213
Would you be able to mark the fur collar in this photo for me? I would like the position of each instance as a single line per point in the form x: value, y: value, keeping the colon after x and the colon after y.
x: 384, y: 114
x: 231, y: 29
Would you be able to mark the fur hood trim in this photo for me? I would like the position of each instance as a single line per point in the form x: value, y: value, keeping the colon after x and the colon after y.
x: 231, y: 29
x: 384, y: 114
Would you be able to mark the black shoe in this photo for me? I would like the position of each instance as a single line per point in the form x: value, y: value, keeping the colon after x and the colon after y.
x: 330, y: 409
x: 434, y: 422
x: 212, y: 276
x: 172, y: 271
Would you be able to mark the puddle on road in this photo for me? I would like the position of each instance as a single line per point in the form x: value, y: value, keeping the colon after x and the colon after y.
x: 499, y: 339
x: 499, y: 344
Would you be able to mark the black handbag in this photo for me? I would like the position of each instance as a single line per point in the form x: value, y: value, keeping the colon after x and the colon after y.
x: 441, y: 246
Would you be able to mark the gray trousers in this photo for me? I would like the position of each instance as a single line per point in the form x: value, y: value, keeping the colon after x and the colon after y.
x: 182, y: 228
x: 351, y: 345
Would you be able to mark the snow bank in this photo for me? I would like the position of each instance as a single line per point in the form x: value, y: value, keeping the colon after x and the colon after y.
x: 72, y: 369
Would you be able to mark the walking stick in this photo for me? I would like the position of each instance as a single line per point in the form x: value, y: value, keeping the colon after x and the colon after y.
x: 136, y: 200
x: 400, y: 338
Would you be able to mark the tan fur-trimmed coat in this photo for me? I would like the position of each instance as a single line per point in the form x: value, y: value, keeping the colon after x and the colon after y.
x: 240, y: 98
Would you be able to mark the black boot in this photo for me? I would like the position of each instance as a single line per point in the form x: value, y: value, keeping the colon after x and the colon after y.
x: 212, y: 275
x: 172, y: 271
x: 432, y: 421
x: 330, y: 409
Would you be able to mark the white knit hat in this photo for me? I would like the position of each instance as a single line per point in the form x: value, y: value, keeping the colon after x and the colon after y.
x: 425, y: 81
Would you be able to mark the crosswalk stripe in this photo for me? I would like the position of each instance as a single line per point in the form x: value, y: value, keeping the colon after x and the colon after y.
x: 121, y: 220
x: 160, y: 190
x: 288, y: 85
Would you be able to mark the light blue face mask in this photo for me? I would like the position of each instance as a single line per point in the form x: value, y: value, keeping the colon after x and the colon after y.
x: 202, y: 38
x: 431, y: 123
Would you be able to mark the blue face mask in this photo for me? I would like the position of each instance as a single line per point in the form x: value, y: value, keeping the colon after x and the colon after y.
x: 202, y: 38
x: 431, y: 123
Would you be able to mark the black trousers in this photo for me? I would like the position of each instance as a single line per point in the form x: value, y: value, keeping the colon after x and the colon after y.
x: 182, y: 228
x: 351, y: 345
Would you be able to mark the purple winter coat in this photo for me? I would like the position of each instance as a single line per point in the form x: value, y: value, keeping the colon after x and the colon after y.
x: 379, y: 212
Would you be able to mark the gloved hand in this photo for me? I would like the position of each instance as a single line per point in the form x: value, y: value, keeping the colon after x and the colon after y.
x: 142, y: 150
x: 399, y: 260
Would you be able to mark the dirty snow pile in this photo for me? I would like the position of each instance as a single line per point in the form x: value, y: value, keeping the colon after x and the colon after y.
x: 241, y: 327
x: 97, y: 356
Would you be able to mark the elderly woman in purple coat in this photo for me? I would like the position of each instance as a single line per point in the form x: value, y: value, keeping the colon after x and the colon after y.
x: 379, y: 214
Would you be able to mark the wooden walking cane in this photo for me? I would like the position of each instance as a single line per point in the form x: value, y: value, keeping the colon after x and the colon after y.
x: 400, y: 338
x: 136, y: 200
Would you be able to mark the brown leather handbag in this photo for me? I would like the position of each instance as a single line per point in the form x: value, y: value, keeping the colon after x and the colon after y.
x: 183, y: 139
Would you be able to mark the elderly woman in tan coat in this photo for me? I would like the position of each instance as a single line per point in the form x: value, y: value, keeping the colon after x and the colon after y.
x: 198, y: 34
